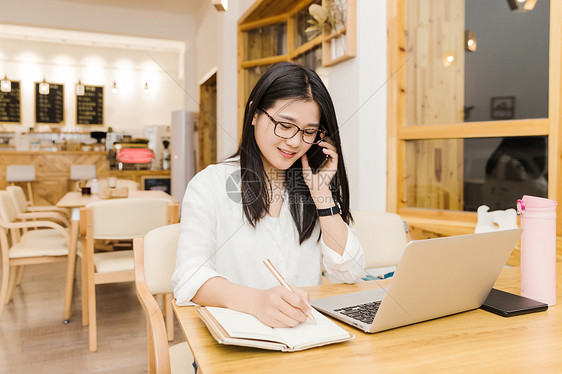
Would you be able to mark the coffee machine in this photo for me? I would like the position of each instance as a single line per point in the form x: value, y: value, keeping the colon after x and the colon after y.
x: 156, y: 134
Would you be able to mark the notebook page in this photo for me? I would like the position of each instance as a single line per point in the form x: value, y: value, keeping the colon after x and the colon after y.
x: 309, y: 334
x: 242, y: 325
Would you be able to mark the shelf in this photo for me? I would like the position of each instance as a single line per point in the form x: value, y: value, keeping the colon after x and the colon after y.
x: 340, y: 46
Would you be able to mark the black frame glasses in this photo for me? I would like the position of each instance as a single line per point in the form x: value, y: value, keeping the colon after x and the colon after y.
x: 319, y: 136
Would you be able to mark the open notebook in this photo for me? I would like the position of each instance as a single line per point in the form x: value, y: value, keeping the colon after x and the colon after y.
x: 237, y: 328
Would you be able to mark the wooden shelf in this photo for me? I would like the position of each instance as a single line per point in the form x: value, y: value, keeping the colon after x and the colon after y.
x: 268, y: 46
x: 340, y: 46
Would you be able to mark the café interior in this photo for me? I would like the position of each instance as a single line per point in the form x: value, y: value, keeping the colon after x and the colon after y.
x: 444, y: 106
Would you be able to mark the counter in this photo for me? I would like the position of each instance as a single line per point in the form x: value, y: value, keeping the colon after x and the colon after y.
x: 52, y: 171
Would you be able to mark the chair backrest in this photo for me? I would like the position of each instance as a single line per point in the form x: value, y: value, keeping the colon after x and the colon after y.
x: 116, y: 219
x: 383, y: 236
x: 8, y: 211
x: 18, y: 196
x: 20, y: 173
x: 155, y: 257
x: 160, y: 247
x: 119, y: 183
x: 79, y: 172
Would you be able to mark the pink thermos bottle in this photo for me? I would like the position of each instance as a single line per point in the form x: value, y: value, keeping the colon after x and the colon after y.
x: 538, y: 248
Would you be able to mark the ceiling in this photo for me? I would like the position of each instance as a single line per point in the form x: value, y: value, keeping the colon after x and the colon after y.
x: 161, y: 6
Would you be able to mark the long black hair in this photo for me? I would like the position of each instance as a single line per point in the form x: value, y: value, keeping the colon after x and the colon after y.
x: 286, y: 80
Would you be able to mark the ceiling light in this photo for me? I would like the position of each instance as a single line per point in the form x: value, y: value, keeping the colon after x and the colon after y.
x: 521, y: 5
x: 448, y: 59
x: 5, y: 85
x: 469, y: 41
x: 44, y: 87
x: 80, y: 89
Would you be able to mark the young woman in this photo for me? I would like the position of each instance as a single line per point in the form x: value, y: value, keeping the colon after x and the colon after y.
x: 274, y: 199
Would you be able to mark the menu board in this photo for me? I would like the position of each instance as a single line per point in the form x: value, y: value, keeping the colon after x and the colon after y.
x: 89, y: 107
x: 10, y: 105
x: 49, y: 108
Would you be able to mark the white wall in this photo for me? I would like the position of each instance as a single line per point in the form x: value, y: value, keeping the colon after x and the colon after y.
x: 32, y: 61
x: 358, y: 89
x: 169, y: 93
x: 216, y: 45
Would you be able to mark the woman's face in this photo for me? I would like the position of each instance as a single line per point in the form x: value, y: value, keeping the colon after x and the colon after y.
x: 278, y: 153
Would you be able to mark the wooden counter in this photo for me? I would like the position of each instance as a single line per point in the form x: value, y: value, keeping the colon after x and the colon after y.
x: 52, y: 171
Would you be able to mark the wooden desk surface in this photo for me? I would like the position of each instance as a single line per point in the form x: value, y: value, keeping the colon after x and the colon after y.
x: 76, y: 200
x: 466, y: 342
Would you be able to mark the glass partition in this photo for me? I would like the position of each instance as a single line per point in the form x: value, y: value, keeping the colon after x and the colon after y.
x: 462, y: 174
x: 476, y: 60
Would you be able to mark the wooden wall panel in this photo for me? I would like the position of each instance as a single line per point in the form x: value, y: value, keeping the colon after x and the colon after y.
x: 52, y: 171
x: 435, y: 94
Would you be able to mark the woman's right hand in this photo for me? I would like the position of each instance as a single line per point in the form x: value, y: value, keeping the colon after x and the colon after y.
x: 279, y: 307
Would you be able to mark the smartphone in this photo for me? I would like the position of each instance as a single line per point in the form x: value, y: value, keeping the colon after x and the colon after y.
x: 507, y: 304
x: 316, y: 158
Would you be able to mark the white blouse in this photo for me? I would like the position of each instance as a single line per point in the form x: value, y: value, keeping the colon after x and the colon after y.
x: 216, y: 240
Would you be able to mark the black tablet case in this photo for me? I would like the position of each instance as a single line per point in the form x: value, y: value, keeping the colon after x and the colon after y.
x: 507, y: 304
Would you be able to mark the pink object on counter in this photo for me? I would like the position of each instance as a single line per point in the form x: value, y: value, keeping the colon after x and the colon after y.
x: 538, y: 248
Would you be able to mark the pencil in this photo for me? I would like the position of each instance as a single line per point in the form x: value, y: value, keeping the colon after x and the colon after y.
x: 282, y: 281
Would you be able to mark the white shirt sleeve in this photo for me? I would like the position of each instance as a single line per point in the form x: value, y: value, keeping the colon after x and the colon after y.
x: 350, y: 266
x: 197, y: 240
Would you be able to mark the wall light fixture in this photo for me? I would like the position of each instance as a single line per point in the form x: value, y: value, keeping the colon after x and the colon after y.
x: 5, y: 84
x: 80, y: 89
x: 44, y: 87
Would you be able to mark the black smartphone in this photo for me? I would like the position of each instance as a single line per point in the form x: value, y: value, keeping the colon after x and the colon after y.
x: 507, y: 304
x: 316, y: 158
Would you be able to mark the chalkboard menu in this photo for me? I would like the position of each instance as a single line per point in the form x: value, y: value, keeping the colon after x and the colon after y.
x: 89, y: 107
x: 10, y: 109
x: 49, y: 108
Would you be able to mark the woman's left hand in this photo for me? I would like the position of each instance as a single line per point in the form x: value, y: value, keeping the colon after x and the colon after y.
x: 319, y: 183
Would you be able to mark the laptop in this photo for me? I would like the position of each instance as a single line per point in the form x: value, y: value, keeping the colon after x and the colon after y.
x: 435, y: 278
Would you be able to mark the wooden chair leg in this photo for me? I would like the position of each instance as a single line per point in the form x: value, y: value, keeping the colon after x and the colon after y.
x: 70, y: 267
x: 169, y: 313
x: 92, y: 328
x: 151, y: 359
x: 4, y: 286
x: 11, y: 284
x: 19, y: 275
x: 84, y: 287
x: 29, y: 193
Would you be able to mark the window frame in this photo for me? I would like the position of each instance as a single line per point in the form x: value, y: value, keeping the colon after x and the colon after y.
x: 438, y: 222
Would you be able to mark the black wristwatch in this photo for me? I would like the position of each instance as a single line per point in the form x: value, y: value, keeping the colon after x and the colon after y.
x: 336, y: 209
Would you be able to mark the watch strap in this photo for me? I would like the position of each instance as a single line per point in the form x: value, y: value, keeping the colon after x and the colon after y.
x: 336, y: 209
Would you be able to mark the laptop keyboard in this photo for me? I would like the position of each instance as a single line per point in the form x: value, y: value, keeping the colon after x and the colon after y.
x: 362, y: 312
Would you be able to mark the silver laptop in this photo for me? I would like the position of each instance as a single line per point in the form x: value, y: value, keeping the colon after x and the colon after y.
x: 435, y: 278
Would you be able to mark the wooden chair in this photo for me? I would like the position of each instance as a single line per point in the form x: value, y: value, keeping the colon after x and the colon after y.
x: 18, y: 250
x: 116, y: 219
x: 383, y: 236
x: 28, y: 212
x: 155, y: 261
x: 119, y: 183
x: 22, y: 173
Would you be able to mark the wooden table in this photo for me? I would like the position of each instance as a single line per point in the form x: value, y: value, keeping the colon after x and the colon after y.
x: 474, y: 341
x: 75, y: 201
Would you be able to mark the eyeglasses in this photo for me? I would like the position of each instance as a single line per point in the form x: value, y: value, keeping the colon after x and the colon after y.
x: 287, y: 130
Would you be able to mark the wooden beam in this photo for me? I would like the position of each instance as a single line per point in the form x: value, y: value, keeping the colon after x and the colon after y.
x: 523, y: 127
